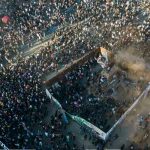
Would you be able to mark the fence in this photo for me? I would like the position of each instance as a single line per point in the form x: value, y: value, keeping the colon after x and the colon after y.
x: 3, y: 146
x: 143, y: 95
x: 102, y: 134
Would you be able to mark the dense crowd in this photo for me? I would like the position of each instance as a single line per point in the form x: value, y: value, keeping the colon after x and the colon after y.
x: 72, y: 92
x: 34, y: 20
x: 55, y: 135
x: 22, y: 98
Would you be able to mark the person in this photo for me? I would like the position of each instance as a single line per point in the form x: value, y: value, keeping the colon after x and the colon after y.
x: 122, y: 147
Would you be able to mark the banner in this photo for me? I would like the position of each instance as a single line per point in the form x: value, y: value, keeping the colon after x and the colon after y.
x: 83, y: 122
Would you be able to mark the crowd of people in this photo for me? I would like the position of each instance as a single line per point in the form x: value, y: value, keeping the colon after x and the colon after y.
x: 31, y: 20
x: 54, y: 135
x: 22, y: 96
x: 97, y: 23
x: 34, y: 20
x: 72, y: 92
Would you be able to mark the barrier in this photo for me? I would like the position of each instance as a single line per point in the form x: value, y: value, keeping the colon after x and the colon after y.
x: 58, y: 105
x: 79, y: 120
x: 3, y: 146
x: 144, y: 94
x: 102, y: 134
x: 71, y: 67
x: 95, y: 129
x: 79, y: 62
